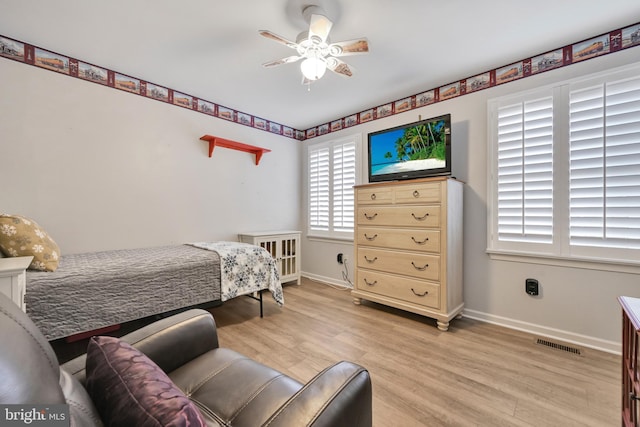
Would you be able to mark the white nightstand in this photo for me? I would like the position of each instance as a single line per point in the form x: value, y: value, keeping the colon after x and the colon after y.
x: 13, y: 278
x: 284, y: 247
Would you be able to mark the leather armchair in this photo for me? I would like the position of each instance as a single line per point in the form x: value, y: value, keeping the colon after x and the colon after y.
x: 228, y: 388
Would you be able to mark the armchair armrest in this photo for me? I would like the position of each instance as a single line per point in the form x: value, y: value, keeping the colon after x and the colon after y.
x: 338, y: 396
x: 192, y: 333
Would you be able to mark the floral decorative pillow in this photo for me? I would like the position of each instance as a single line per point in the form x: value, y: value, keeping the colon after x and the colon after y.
x: 129, y: 389
x: 21, y: 236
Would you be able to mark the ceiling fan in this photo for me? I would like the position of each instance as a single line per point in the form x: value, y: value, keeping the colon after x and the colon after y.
x: 314, y: 48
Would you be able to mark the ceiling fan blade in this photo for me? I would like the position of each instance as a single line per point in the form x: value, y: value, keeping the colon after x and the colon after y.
x: 268, y: 34
x: 349, y: 47
x: 319, y: 26
x: 286, y: 60
x: 340, y: 67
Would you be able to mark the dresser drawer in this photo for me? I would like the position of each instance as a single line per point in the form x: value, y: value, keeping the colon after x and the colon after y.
x: 423, y: 240
x: 422, y: 266
x: 428, y: 192
x: 402, y: 288
x: 410, y: 216
x: 377, y: 196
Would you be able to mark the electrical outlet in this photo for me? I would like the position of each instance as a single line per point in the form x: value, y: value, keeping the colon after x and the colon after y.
x: 340, y: 258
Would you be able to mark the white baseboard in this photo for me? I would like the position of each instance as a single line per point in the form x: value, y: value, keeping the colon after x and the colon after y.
x: 327, y: 280
x: 565, y: 336
x: 569, y: 337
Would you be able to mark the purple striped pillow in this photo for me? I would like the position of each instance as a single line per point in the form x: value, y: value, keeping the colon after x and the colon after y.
x: 128, y: 388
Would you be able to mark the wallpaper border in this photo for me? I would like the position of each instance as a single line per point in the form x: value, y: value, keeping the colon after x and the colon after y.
x: 33, y: 55
x: 594, y: 47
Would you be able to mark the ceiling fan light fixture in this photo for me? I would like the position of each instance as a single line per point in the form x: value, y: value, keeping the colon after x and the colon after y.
x: 313, y: 68
x: 315, y: 50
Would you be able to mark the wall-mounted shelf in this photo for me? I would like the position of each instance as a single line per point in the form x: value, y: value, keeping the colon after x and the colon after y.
x: 215, y: 141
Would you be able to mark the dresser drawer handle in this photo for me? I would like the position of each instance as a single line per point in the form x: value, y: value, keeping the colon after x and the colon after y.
x: 373, y: 196
x: 417, y: 294
x: 370, y: 217
x: 420, y: 218
x: 416, y: 193
x: 370, y: 238
x: 420, y: 268
x: 370, y: 261
x: 426, y: 239
x: 370, y: 283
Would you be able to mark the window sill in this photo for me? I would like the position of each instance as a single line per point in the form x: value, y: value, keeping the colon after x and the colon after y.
x: 573, y: 262
x: 332, y: 239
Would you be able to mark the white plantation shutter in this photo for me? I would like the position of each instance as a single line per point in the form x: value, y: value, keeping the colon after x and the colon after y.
x: 605, y: 165
x: 525, y: 171
x: 332, y: 175
x: 565, y: 171
x: 319, y: 188
x: 344, y: 178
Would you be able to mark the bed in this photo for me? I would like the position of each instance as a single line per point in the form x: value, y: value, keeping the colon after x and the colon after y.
x: 95, y: 290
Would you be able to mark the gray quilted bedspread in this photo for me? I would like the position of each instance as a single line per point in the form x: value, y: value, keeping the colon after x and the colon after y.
x: 94, y: 290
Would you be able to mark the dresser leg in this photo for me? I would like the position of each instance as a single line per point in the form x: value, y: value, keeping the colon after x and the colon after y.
x: 357, y: 301
x: 443, y: 326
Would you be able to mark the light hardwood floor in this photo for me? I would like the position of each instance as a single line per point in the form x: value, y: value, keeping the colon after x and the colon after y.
x: 476, y: 374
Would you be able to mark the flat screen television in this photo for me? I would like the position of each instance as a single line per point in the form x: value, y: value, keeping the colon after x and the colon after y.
x: 415, y: 150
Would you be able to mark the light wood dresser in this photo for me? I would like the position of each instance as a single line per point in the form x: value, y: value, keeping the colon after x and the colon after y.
x: 408, y: 246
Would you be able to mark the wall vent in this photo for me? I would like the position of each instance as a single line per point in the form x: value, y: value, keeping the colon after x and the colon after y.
x: 557, y: 346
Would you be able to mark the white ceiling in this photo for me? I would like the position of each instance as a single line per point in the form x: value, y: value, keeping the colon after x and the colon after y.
x: 211, y: 48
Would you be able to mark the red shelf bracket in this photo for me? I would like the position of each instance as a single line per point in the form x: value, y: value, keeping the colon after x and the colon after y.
x: 215, y: 141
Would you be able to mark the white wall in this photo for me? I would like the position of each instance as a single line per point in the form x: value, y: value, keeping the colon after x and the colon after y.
x: 104, y: 169
x: 575, y: 304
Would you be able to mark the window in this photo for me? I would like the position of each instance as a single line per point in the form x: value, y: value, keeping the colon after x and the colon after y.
x: 565, y: 170
x: 604, y: 169
x: 332, y: 175
x: 525, y: 171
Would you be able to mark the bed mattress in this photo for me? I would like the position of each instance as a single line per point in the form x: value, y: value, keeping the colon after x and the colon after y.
x: 99, y: 289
